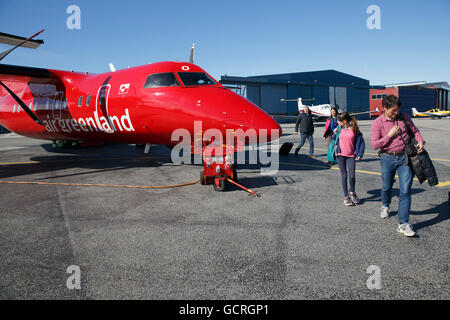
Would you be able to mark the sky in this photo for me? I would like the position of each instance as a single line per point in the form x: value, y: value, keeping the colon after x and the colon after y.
x: 239, y: 38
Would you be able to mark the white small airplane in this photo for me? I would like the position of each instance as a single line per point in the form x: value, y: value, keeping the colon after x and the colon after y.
x: 320, y: 111
x: 433, y: 113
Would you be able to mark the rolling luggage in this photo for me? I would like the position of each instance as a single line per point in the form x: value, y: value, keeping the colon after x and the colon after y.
x: 286, y: 148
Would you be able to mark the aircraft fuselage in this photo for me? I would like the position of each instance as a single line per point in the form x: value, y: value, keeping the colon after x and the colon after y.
x: 125, y: 105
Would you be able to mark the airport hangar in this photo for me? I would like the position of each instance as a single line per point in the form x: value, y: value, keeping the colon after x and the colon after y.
x: 347, y: 92
x: 420, y: 95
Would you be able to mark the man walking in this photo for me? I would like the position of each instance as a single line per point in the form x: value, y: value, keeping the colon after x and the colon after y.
x: 389, y: 134
x: 305, y: 121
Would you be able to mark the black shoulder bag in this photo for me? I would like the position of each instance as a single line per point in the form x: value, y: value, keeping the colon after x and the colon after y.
x: 410, y: 148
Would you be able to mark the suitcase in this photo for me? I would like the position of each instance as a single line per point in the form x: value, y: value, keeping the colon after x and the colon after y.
x: 286, y: 148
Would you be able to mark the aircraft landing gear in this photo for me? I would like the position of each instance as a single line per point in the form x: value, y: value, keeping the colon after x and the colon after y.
x: 57, y: 144
x: 60, y: 144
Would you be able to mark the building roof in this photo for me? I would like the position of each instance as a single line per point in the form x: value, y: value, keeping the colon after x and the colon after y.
x: 323, y: 77
x: 437, y: 85
x: 422, y: 84
x: 405, y: 84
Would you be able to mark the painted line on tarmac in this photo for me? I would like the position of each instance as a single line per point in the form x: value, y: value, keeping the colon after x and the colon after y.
x: 327, y: 167
x: 440, y: 184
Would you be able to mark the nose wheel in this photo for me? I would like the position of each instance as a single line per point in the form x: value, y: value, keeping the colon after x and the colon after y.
x: 220, y: 184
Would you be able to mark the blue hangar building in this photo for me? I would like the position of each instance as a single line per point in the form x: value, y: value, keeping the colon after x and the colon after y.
x: 347, y: 92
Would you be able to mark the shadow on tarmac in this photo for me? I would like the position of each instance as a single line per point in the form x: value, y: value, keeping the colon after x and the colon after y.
x: 114, y: 157
x: 100, y: 159
x: 376, y: 195
x: 442, y: 211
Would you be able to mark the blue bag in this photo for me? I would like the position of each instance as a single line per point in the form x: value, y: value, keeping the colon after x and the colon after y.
x: 331, y: 154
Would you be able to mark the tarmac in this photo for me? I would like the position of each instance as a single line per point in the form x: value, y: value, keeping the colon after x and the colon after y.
x: 92, y: 208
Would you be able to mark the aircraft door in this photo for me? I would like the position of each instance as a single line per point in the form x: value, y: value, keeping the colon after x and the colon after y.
x: 101, y: 106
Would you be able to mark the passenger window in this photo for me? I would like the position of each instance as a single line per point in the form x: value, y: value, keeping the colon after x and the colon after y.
x: 161, y: 80
x: 80, y: 101
x: 88, y: 100
x: 374, y: 97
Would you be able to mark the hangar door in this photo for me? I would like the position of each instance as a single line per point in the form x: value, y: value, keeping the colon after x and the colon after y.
x: 253, y: 94
x: 271, y: 96
x: 338, y: 97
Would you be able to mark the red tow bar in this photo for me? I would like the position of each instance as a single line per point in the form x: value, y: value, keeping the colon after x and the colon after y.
x: 253, y: 193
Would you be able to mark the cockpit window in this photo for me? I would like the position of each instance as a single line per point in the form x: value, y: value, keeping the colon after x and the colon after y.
x: 195, y: 79
x: 161, y: 80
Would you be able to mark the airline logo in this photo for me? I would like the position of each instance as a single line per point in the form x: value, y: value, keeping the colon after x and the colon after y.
x: 123, y: 89
x: 116, y: 123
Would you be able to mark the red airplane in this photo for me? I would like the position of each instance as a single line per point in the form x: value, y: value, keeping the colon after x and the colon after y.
x: 141, y: 105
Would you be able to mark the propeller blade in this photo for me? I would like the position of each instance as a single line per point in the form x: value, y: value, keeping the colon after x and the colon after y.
x: 5, y: 53
x: 22, y: 105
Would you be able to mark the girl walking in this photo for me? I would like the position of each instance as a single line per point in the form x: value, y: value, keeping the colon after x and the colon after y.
x: 349, y: 148
x: 330, y: 125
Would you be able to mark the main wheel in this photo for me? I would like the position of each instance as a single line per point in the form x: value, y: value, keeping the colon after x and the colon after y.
x: 235, y: 176
x: 222, y: 184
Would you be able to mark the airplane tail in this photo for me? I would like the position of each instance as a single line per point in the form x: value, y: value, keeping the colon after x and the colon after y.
x: 414, y: 111
x: 300, y: 104
x: 191, y: 56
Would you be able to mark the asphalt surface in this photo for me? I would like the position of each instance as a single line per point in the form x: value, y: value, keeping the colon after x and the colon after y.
x: 296, y: 241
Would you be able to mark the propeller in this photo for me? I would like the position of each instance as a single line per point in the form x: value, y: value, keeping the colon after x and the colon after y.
x: 18, y: 100
x: 22, y: 104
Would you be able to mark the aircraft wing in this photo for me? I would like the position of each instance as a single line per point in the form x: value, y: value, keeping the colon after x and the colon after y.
x: 316, y: 117
x: 435, y: 114
x: 364, y: 112
x: 16, y: 40
x: 280, y: 116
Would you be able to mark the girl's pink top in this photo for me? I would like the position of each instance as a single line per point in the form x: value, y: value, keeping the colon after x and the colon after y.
x: 347, y: 143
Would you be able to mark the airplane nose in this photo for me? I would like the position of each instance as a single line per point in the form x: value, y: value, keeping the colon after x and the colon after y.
x: 263, y: 123
x: 236, y: 112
